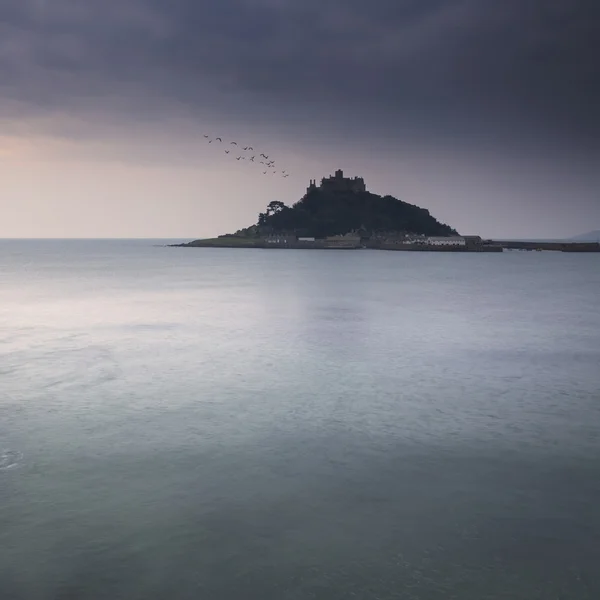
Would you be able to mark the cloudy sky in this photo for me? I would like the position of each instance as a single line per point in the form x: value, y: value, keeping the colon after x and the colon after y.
x: 486, y: 112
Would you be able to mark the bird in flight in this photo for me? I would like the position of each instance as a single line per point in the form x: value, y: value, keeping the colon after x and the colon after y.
x: 250, y: 148
x: 219, y: 139
x: 205, y: 136
x: 226, y: 151
x: 264, y: 172
x: 238, y: 158
x: 210, y: 141
x: 234, y: 143
x: 246, y: 148
x: 264, y: 156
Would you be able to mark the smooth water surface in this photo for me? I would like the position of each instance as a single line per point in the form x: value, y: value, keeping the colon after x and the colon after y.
x: 255, y: 424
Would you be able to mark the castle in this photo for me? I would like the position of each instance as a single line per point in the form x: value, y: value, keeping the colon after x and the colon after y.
x: 339, y: 183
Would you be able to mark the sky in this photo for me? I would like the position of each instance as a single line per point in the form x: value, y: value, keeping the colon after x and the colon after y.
x: 485, y: 112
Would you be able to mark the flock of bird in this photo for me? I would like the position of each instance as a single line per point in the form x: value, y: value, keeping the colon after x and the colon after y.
x: 249, y: 154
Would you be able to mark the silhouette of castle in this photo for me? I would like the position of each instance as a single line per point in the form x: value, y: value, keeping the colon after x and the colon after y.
x: 339, y: 183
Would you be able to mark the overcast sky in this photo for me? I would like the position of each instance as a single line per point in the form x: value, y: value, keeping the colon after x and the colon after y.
x: 486, y: 112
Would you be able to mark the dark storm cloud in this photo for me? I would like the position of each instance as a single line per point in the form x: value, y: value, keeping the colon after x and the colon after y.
x: 427, y: 63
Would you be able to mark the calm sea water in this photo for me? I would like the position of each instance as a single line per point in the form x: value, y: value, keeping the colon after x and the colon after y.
x: 246, y: 424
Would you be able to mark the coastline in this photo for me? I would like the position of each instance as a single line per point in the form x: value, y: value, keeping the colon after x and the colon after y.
x: 491, y: 246
x: 261, y: 245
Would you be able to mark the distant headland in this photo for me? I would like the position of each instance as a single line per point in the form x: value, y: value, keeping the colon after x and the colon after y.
x: 591, y: 236
x: 340, y: 213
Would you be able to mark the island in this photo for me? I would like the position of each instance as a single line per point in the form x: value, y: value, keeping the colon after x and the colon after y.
x: 340, y: 214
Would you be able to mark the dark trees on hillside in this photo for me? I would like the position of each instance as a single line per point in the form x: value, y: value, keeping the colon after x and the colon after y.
x: 322, y: 213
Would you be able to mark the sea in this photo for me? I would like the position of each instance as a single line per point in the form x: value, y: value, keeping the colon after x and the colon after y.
x: 245, y: 424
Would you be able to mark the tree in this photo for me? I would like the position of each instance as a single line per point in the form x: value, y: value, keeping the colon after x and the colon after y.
x: 321, y: 213
x: 275, y: 207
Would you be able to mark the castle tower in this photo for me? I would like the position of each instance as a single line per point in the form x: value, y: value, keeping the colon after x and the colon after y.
x: 312, y: 185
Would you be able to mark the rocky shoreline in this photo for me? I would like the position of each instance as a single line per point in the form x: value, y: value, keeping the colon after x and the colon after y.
x: 490, y: 246
x: 322, y: 245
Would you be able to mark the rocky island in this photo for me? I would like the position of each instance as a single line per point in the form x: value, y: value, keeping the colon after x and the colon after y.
x: 340, y: 213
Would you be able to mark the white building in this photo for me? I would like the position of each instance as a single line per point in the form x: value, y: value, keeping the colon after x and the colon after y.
x: 446, y: 241
x: 279, y: 239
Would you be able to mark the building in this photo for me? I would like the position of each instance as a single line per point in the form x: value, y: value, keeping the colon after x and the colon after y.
x: 339, y: 183
x: 281, y: 239
x: 473, y: 242
x: 445, y: 241
x: 473, y: 239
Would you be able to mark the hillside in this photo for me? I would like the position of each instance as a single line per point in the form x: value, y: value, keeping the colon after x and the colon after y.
x: 337, y: 206
x: 592, y: 236
x: 323, y: 212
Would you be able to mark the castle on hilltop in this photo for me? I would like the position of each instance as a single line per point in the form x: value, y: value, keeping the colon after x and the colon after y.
x: 338, y: 183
